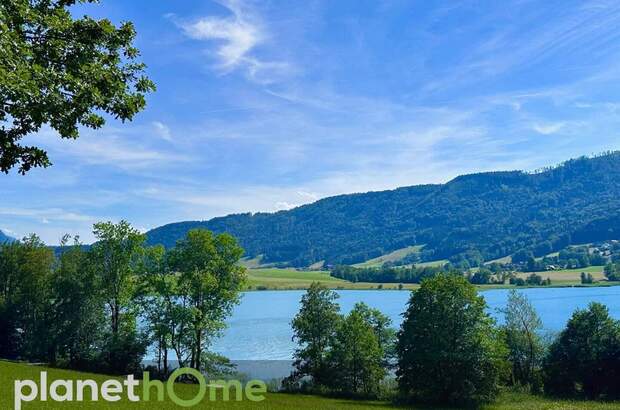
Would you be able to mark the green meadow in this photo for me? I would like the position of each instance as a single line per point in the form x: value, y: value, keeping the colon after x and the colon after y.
x: 9, y: 372
x: 291, y: 279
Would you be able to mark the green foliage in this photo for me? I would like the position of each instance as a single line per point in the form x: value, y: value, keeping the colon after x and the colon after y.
x: 346, y: 354
x: 115, y: 258
x: 448, y: 349
x: 25, y: 273
x: 77, y: 308
x: 586, y: 278
x: 208, y: 285
x: 314, y: 328
x: 54, y: 309
x: 612, y: 271
x: 387, y: 274
x: 525, y: 346
x: 482, y: 216
x: 356, y: 358
x: 585, y: 358
x: 63, y: 72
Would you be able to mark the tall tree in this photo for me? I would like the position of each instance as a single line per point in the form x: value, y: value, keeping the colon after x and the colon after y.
x: 63, y: 72
x: 209, y: 284
x: 357, y: 355
x: 585, y: 359
x: 525, y: 346
x: 25, y: 272
x: 156, y: 296
x: 77, y: 307
x: 115, y: 256
x: 314, y: 329
x: 448, y: 349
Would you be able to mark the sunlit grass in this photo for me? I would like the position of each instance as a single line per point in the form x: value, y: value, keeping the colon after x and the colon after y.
x: 9, y: 372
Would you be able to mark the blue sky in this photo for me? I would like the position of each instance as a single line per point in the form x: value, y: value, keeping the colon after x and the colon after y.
x: 266, y: 105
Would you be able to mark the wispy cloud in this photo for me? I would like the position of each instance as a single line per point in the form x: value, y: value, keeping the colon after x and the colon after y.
x: 549, y: 128
x: 162, y: 130
x: 237, y: 37
x: 45, y: 215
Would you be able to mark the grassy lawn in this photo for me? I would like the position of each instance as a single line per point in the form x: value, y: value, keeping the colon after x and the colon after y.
x: 273, y: 278
x: 9, y: 372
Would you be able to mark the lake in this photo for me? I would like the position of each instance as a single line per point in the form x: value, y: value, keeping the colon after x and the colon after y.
x: 259, y: 328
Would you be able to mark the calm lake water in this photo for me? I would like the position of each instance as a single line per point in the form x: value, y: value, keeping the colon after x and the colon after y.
x: 259, y: 328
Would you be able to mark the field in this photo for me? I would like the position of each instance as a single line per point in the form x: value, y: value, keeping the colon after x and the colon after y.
x: 292, y: 279
x: 283, y: 279
x: 569, y: 276
x: 390, y: 257
x: 9, y: 372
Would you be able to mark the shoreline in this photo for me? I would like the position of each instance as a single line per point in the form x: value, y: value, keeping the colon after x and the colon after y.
x: 409, y: 287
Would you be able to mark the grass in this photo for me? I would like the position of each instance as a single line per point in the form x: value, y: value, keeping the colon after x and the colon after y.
x: 293, y: 279
x: 505, y: 259
x: 251, y: 263
x: 437, y: 263
x: 569, y: 276
x: 9, y: 372
x: 393, y: 256
x: 289, y: 279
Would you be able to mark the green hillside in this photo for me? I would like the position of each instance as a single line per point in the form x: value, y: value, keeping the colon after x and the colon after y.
x: 480, y: 216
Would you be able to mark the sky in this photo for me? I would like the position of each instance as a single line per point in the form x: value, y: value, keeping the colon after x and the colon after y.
x: 267, y: 105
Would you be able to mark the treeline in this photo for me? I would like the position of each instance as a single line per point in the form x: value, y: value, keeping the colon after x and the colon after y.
x: 493, y: 275
x: 449, y: 351
x: 387, y: 274
x: 99, y: 308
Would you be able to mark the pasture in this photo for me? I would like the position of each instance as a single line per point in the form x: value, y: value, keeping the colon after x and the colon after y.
x: 9, y: 372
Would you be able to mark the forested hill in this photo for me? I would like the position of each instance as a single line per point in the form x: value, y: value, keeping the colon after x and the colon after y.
x: 5, y: 238
x: 479, y: 216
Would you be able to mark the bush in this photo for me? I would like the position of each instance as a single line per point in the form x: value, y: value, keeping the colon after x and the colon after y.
x: 123, y: 353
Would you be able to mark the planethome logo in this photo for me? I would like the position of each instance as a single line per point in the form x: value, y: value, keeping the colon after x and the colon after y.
x: 114, y: 390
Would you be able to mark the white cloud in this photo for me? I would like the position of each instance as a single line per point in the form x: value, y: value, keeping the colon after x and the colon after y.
x: 548, y: 129
x: 284, y: 206
x: 114, y: 151
x: 237, y: 35
x: 162, y: 130
x: 46, y: 215
x: 308, y: 195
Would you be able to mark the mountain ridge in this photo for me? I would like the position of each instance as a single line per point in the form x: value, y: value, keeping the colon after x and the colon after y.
x: 5, y: 238
x: 476, y: 217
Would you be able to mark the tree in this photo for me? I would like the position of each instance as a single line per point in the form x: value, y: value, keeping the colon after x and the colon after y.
x: 63, y: 72
x: 522, y: 328
x: 612, y: 272
x: 314, y: 328
x: 209, y: 285
x: 585, y: 358
x: 586, y: 278
x: 25, y: 271
x: 115, y: 255
x: 157, y: 299
x: 77, y: 307
x: 448, y: 349
x: 357, y: 357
